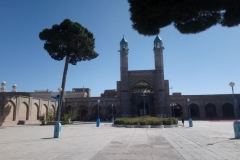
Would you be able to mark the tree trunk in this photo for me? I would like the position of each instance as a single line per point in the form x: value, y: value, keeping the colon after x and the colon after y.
x: 63, y: 82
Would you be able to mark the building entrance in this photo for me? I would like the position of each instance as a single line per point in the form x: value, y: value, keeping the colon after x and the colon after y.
x: 143, y: 109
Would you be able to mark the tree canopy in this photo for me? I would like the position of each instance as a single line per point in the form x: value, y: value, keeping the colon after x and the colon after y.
x: 188, y: 16
x: 69, y: 39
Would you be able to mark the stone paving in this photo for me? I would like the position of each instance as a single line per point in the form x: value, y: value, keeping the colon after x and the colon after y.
x: 84, y: 141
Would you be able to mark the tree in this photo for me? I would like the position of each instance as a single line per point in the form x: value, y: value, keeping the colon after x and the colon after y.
x: 70, y: 40
x: 188, y: 16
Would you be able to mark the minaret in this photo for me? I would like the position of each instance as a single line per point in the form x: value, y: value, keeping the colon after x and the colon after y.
x: 160, y: 106
x: 14, y: 88
x: 3, y: 89
x: 125, y: 111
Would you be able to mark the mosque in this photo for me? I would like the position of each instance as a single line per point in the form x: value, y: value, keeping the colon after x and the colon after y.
x: 138, y: 93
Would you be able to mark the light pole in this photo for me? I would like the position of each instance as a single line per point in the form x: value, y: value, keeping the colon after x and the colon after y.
x: 112, y: 114
x: 98, y: 120
x: 236, y: 124
x: 234, y: 104
x: 189, y: 114
x: 173, y: 105
x: 58, y: 126
x: 143, y: 95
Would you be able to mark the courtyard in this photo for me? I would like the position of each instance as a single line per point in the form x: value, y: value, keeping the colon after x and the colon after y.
x: 83, y: 140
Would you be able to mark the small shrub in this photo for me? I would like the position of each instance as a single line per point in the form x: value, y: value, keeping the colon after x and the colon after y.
x: 42, y: 119
x: 168, y: 121
x: 51, y: 116
x: 73, y: 113
x: 157, y: 122
x: 64, y: 119
x: 164, y: 121
x: 175, y: 121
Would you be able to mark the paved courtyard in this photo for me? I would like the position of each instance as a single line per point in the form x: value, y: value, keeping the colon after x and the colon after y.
x: 206, y: 140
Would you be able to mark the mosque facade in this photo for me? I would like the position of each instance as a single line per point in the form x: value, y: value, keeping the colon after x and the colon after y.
x: 146, y: 92
x: 138, y: 93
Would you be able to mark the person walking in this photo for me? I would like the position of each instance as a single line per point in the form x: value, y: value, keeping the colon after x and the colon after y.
x: 182, y: 118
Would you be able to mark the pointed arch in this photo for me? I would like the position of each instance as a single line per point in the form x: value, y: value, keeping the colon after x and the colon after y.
x: 177, y: 110
x: 227, y: 110
x: 210, y: 110
x: 82, y: 112
x: 23, y: 113
x: 35, y: 112
x: 194, y: 110
x: 9, y: 113
x: 44, y: 110
x: 141, y: 86
x: 53, y: 108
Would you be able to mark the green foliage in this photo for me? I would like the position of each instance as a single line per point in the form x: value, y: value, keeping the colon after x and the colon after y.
x: 51, y: 115
x: 73, y: 113
x: 146, y: 121
x: 69, y: 39
x: 132, y: 121
x: 64, y: 119
x: 42, y: 119
x: 187, y: 16
x: 119, y: 121
x: 175, y: 121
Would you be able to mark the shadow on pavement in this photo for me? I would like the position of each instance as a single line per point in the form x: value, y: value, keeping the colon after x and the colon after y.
x: 48, y: 138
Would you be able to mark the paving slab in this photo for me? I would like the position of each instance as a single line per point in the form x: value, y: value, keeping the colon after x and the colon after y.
x: 205, y: 140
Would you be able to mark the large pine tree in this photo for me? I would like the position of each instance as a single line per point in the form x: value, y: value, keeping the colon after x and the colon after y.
x: 71, y: 41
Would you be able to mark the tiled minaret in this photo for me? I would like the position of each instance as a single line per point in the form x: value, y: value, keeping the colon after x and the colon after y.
x: 125, y: 111
x: 160, y: 101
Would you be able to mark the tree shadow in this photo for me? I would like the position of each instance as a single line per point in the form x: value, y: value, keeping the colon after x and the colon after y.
x: 48, y: 138
x: 234, y: 139
x: 6, y: 112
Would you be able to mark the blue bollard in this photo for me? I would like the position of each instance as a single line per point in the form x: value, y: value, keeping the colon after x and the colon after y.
x: 112, y: 120
x: 57, y: 130
x: 98, y: 122
x: 236, y: 126
x: 190, y: 122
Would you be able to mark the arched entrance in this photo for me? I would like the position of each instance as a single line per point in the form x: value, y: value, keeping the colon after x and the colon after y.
x: 44, y: 111
x: 177, y: 110
x: 23, y: 113
x: 142, y: 95
x: 68, y: 109
x: 228, y: 111
x: 53, y: 109
x: 194, y: 110
x: 9, y: 112
x: 143, y: 109
x: 95, y: 112
x: 82, y: 113
x: 210, y: 110
x: 111, y: 112
x: 35, y: 112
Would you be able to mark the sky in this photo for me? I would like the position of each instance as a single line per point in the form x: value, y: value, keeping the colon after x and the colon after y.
x: 194, y: 64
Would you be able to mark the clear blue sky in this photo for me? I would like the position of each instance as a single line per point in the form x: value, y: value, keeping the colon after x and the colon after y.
x: 202, y: 63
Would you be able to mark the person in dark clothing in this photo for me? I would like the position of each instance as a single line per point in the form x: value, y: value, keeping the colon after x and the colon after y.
x: 182, y: 118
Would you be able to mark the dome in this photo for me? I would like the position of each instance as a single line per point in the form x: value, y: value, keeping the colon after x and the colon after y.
x: 123, y: 44
x: 157, y: 42
x: 123, y: 41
